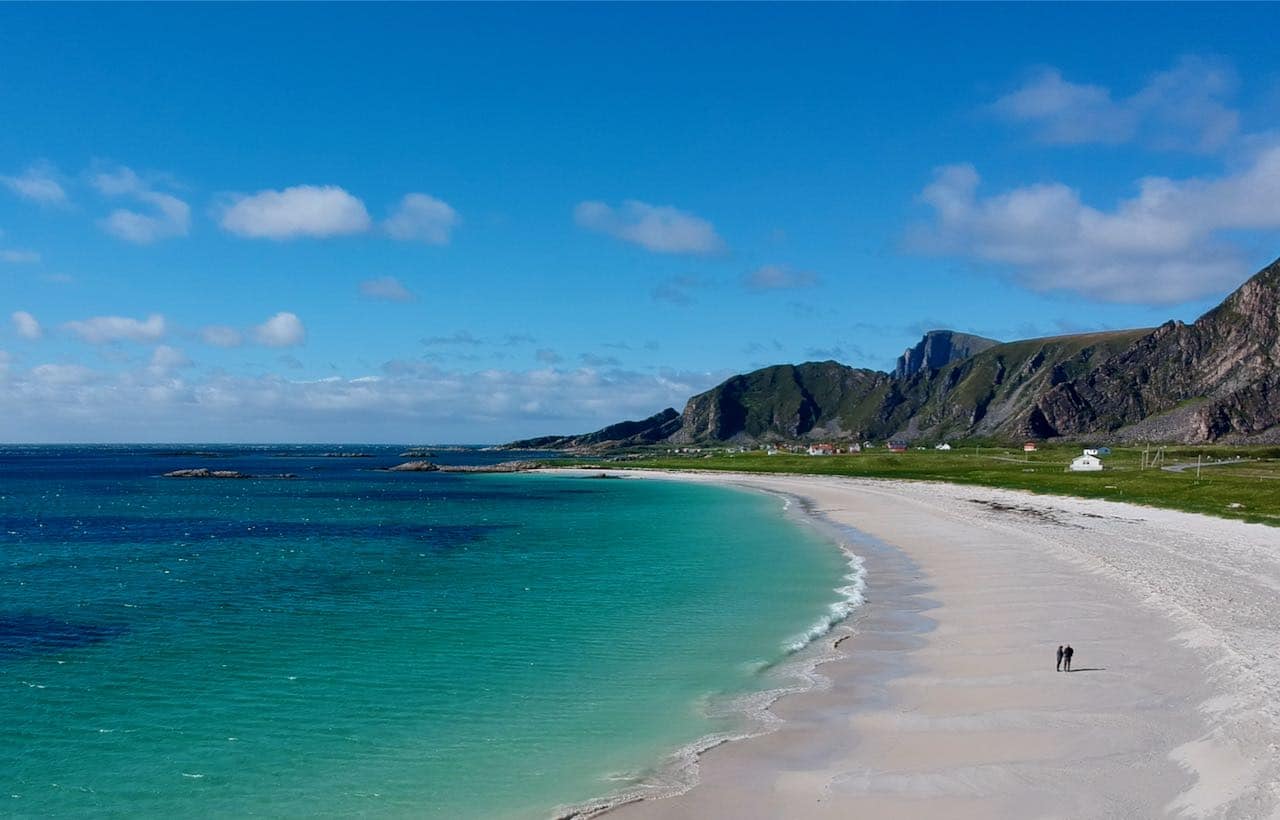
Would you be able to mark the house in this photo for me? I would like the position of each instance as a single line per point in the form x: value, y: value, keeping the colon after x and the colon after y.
x: 1086, y: 463
x: 772, y: 451
x: 854, y: 448
x: 897, y: 446
x: 942, y: 446
x: 1029, y: 447
x: 822, y: 450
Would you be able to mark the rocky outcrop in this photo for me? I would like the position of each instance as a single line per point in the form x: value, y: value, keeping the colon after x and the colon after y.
x: 503, y: 467
x: 204, y: 472
x: 413, y: 467
x: 939, y: 348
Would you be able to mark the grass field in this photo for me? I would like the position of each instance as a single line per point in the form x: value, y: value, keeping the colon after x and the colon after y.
x: 1247, y: 490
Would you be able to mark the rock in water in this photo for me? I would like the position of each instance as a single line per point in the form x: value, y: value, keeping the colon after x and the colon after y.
x: 414, y: 467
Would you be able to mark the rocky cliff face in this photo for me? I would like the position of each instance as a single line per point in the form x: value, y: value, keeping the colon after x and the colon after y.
x: 1216, y: 378
x: 938, y: 349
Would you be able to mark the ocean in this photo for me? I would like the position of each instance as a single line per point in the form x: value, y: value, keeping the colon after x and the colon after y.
x: 357, y: 642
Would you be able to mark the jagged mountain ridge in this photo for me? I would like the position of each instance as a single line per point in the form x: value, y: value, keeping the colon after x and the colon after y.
x: 1215, y: 379
x: 939, y: 348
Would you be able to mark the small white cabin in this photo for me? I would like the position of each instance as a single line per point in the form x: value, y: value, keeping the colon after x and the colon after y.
x: 1086, y: 463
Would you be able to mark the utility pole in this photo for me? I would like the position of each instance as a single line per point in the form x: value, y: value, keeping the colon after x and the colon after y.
x: 1198, y: 457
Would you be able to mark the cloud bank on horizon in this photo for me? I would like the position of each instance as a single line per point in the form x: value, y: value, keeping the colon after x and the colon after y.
x: 469, y: 260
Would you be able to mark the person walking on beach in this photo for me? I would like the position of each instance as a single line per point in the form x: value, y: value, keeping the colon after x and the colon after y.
x: 1066, y: 657
x: 1060, y: 653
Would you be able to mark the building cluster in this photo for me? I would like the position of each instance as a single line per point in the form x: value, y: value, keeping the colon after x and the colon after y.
x: 1088, y: 461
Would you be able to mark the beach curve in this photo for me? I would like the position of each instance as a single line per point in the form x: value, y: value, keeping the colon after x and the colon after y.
x: 945, y: 699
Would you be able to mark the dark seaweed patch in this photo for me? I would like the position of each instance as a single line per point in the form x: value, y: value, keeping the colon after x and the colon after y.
x: 24, y: 634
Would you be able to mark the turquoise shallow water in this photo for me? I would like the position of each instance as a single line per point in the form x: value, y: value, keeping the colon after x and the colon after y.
x: 355, y: 642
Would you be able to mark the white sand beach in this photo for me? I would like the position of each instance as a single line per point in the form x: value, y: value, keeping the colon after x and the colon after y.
x: 946, y: 702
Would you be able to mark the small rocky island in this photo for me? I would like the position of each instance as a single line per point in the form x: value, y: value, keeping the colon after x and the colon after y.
x: 428, y: 467
x: 413, y: 467
x: 204, y: 472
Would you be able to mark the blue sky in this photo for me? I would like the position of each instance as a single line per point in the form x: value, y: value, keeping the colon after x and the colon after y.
x: 471, y: 223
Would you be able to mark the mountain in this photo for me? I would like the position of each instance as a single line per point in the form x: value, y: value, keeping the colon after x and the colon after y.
x: 1217, y: 379
x: 939, y: 348
x: 996, y: 392
x: 786, y: 402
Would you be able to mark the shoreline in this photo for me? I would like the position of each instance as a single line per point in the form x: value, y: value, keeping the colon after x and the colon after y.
x: 796, y: 672
x: 936, y: 696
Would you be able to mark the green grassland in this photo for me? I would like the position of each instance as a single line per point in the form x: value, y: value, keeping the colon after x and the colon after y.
x: 1248, y: 490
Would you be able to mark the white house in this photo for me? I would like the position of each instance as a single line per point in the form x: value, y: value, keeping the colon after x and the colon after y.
x: 1086, y: 463
x: 942, y: 446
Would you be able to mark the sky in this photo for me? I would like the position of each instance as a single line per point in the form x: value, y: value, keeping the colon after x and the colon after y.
x: 473, y: 223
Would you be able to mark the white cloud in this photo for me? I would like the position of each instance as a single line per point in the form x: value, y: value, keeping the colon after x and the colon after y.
x: 422, y: 218
x: 26, y: 325
x: 281, y: 330
x: 303, y: 210
x: 387, y: 288
x: 221, y: 336
x: 1184, y: 107
x: 67, y: 402
x: 165, y: 359
x: 38, y: 183
x: 19, y: 257
x: 168, y: 215
x: 107, y: 329
x: 779, y: 277
x: 661, y: 229
x: 1163, y: 245
x: 62, y: 375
